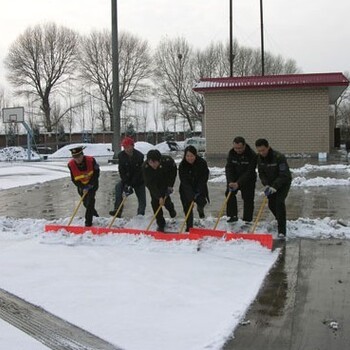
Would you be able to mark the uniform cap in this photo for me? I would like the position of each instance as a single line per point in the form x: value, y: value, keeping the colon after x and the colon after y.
x: 77, y: 151
x: 127, y: 141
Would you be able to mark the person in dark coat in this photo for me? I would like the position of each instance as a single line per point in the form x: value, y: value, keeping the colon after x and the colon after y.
x: 159, y: 173
x: 194, y: 175
x: 85, y: 173
x: 275, y: 175
x: 130, y: 162
x: 240, y: 176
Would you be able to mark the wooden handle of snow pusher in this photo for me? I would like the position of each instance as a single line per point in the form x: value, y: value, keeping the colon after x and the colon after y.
x: 77, y: 208
x: 222, y: 209
x: 155, y: 215
x: 186, y: 217
x: 262, y: 206
x: 117, y: 212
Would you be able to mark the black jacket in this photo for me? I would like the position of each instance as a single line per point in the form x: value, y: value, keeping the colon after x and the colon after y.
x: 158, y: 180
x: 240, y: 168
x: 130, y: 168
x: 274, y: 170
x: 194, y: 178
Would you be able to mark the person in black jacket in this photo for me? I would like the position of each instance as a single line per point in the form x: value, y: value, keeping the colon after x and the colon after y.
x: 194, y: 175
x: 159, y: 173
x: 240, y: 176
x: 85, y: 172
x: 130, y: 162
x: 275, y: 175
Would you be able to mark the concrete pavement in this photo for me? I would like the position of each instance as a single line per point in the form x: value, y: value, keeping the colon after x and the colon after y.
x: 304, y: 303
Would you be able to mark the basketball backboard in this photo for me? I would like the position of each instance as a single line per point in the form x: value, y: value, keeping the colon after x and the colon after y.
x: 13, y: 115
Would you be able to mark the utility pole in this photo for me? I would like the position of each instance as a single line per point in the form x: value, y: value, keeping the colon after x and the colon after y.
x: 262, y: 39
x: 231, y: 42
x: 115, y: 84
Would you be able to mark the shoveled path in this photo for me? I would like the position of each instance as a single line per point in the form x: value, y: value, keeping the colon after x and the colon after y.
x: 47, y: 328
x: 304, y: 293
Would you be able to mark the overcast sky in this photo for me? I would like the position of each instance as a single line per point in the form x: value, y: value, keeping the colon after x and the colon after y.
x: 311, y: 32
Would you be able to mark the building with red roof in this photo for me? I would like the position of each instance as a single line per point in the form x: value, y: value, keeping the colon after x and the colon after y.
x: 294, y: 112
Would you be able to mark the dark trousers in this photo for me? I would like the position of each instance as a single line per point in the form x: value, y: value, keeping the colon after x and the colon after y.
x: 140, y: 192
x: 277, y: 206
x: 247, y: 194
x: 89, y: 204
x: 169, y: 205
x: 200, y: 201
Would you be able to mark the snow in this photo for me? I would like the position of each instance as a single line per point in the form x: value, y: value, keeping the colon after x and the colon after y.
x: 136, y: 292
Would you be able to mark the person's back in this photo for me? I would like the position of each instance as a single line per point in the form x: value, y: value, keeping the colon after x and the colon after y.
x: 159, y: 173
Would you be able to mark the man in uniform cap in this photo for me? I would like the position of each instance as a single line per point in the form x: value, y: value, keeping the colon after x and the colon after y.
x: 85, y: 172
x: 159, y: 173
x: 130, y: 161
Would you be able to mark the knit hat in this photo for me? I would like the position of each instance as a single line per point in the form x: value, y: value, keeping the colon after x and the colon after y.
x: 127, y: 141
x: 154, y: 155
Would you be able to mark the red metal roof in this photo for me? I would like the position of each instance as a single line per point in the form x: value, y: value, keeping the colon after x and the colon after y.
x: 272, y: 82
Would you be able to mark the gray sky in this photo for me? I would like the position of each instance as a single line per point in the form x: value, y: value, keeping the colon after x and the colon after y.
x: 313, y: 32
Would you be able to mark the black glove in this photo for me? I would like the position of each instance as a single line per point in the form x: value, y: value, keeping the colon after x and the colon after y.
x: 128, y: 191
x: 268, y: 191
x: 87, y: 188
x: 196, y: 196
x: 169, y: 191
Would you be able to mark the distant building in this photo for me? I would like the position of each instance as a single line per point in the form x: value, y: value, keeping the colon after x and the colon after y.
x: 291, y: 111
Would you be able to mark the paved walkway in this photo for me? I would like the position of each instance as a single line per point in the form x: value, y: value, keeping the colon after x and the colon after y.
x: 304, y: 299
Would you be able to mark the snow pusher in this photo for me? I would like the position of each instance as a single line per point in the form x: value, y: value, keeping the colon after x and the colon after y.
x: 194, y: 233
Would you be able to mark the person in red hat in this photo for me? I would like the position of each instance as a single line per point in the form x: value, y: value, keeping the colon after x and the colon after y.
x: 130, y: 161
x: 85, y: 173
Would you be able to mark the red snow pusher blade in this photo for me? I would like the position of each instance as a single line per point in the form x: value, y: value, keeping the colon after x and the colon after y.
x: 96, y: 230
x: 265, y: 239
x: 194, y: 234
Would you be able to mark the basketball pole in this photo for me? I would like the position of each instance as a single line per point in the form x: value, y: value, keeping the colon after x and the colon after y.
x: 29, y: 139
x: 16, y: 115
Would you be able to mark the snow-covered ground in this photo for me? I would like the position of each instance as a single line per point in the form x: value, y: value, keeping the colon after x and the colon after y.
x: 136, y: 292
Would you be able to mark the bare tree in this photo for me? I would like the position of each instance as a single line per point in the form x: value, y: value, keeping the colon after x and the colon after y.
x: 40, y: 60
x: 134, y: 67
x: 212, y: 61
x: 342, y: 111
x: 178, y: 68
x: 102, y: 117
x: 175, y: 77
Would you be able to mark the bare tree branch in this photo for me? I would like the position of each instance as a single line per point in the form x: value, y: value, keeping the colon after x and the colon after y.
x: 134, y: 67
x: 40, y: 60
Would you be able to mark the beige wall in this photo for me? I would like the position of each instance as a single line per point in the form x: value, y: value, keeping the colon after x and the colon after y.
x: 294, y: 121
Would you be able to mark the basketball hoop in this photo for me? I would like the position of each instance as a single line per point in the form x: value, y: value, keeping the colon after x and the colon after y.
x: 13, y: 115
